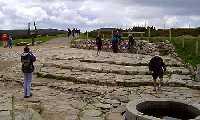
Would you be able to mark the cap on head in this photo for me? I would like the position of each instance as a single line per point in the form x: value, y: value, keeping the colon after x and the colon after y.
x: 26, y: 49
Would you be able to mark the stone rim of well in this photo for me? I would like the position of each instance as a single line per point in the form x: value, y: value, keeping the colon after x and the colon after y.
x: 132, y: 112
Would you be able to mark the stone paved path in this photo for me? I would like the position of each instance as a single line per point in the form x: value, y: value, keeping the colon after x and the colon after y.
x: 73, y: 84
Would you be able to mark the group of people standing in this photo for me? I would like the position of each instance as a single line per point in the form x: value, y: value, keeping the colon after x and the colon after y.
x: 74, y: 32
x: 157, y: 66
x: 115, y: 41
x: 7, y: 40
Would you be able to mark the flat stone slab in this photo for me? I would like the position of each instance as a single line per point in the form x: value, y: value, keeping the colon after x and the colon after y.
x: 111, y: 79
x: 91, y: 115
x: 112, y: 68
x: 108, y: 57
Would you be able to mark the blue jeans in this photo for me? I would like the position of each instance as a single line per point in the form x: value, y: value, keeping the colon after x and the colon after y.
x: 27, y: 84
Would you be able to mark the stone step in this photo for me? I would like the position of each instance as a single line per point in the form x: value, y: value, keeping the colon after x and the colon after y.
x: 134, y: 60
x: 110, y: 79
x: 111, y: 68
x: 123, y: 63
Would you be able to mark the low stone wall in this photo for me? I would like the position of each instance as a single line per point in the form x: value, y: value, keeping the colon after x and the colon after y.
x: 141, y: 47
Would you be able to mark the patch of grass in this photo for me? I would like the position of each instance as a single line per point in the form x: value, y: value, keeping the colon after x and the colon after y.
x: 188, y: 52
x: 39, y: 38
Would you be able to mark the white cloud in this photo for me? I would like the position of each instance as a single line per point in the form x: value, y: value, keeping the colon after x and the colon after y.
x: 94, y: 13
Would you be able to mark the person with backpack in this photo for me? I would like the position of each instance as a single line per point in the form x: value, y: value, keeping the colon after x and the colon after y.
x: 99, y: 44
x: 27, y: 59
x: 157, y: 68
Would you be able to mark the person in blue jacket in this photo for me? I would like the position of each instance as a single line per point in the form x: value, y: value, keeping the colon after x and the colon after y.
x: 10, y: 41
x: 115, y: 41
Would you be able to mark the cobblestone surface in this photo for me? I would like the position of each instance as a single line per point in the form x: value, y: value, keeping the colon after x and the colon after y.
x: 73, y: 84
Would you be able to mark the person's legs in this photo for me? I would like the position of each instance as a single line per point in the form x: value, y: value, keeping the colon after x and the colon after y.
x: 29, y: 84
x: 154, y: 81
x: 160, y: 81
x: 154, y: 84
x: 4, y: 44
x: 25, y: 83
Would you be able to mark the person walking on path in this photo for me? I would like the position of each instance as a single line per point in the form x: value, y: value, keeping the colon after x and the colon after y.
x: 99, y: 44
x: 10, y: 41
x: 157, y: 69
x: 27, y: 59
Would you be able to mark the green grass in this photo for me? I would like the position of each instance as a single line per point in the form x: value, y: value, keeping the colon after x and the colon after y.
x: 39, y: 38
x: 188, y: 52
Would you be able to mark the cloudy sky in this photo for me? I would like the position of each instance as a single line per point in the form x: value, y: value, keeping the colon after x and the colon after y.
x: 91, y: 14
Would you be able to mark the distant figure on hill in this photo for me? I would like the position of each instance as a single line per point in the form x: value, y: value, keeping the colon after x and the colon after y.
x: 157, y: 69
x: 73, y: 32
x: 131, y: 43
x: 99, y: 44
x: 69, y: 32
x: 10, y: 41
x: 27, y: 59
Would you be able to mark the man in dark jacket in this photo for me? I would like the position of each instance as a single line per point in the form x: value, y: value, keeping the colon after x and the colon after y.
x: 131, y: 43
x: 27, y: 59
x: 157, y: 68
x: 99, y: 44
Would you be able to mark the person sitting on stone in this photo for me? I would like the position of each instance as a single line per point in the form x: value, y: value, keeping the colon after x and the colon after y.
x: 157, y: 68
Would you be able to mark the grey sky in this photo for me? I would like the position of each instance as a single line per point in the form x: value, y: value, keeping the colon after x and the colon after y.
x: 90, y: 14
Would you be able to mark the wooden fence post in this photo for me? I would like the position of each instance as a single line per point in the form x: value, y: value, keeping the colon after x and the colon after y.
x: 149, y: 34
x: 170, y: 35
x: 183, y: 42
x: 13, y: 108
x: 197, y: 47
x: 87, y: 35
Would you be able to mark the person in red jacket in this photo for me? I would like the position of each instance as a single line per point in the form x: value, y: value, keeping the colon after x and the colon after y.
x: 4, y: 39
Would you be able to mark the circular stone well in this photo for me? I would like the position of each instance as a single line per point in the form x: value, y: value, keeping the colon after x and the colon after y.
x: 162, y: 110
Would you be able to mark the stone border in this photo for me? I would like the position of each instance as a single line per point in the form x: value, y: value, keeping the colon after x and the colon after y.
x: 133, y: 114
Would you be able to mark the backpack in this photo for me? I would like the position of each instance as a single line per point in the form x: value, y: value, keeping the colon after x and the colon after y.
x: 27, y: 60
